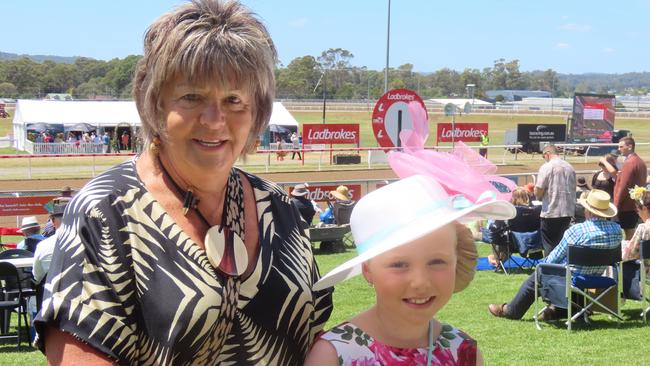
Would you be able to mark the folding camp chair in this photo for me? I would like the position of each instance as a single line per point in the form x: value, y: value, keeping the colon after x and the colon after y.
x: 558, y: 286
x: 13, y: 299
x: 644, y: 280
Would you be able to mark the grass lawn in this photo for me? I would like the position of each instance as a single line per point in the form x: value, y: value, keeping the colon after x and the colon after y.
x: 503, y: 342
x: 508, y: 342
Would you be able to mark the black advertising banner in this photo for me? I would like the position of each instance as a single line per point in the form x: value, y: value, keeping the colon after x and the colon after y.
x: 527, y: 132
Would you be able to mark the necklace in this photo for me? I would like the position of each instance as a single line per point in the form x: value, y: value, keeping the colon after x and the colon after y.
x: 223, y: 243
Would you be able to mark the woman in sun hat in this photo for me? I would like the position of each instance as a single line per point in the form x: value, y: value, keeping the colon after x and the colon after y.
x: 415, y: 252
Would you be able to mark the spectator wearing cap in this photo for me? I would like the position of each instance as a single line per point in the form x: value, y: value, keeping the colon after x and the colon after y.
x: 300, y: 199
x: 581, y: 186
x: 43, y: 253
x: 48, y: 228
x: 30, y: 228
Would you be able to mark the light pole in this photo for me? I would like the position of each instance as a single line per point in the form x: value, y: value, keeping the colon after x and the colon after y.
x: 470, y: 92
x: 387, y: 50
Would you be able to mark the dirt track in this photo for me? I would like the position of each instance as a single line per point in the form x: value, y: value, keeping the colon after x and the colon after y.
x: 284, y: 177
x: 299, y: 176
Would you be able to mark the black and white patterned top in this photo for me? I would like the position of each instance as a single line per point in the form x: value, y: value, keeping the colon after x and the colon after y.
x: 128, y: 281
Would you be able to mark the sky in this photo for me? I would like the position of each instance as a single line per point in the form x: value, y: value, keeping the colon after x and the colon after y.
x: 569, y: 36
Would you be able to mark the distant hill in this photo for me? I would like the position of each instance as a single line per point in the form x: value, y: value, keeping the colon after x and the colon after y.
x: 39, y: 58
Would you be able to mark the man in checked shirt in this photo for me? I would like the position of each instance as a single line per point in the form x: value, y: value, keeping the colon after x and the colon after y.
x: 595, y: 231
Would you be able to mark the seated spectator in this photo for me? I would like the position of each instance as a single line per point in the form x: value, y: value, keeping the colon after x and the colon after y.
x: 43, y: 254
x: 343, y: 205
x: 605, y: 178
x: 300, y: 199
x: 30, y: 228
x: 596, y: 231
x: 582, y: 186
x: 631, y: 248
x: 526, y: 220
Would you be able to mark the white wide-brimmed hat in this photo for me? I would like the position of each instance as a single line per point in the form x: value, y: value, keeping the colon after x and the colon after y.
x: 598, y: 203
x: 404, y: 211
x: 299, y: 190
x: 28, y: 223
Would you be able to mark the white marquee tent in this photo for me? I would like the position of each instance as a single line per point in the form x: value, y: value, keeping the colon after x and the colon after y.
x: 97, y: 113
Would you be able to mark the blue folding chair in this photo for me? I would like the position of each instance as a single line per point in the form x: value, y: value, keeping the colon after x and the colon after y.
x: 556, y: 285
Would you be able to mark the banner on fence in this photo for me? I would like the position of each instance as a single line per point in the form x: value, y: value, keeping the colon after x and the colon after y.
x: 23, y: 206
x: 466, y: 132
x: 321, y: 193
x: 528, y: 132
x: 339, y: 133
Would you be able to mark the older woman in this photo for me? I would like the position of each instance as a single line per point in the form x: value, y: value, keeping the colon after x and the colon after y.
x: 176, y: 257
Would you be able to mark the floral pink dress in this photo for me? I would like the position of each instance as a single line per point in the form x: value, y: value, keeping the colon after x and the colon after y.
x: 355, y: 347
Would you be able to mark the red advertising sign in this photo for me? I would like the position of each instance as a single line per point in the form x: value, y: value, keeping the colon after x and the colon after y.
x: 466, y: 132
x: 23, y: 206
x: 321, y: 193
x: 391, y: 116
x: 339, y: 133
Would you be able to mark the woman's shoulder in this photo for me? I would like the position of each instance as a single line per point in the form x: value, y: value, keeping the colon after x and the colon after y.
x: 261, y: 184
x: 117, y: 180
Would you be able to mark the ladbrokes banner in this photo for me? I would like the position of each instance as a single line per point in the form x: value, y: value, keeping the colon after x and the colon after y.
x: 340, y: 133
x: 321, y: 193
x: 466, y: 132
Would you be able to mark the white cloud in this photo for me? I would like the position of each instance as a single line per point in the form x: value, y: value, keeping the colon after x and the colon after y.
x: 298, y: 23
x: 608, y: 50
x: 573, y: 27
x: 563, y: 45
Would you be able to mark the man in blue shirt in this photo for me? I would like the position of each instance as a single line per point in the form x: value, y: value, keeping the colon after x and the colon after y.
x: 30, y: 228
x: 596, y: 231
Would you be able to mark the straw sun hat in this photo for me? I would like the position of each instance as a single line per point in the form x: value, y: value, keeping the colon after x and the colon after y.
x: 597, y: 202
x: 388, y: 218
x: 341, y: 193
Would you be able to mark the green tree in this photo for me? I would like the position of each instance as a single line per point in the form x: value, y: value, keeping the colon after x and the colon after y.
x: 299, y: 78
x: 8, y: 90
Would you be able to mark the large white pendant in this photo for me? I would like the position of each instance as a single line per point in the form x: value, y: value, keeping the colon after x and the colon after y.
x: 226, y: 251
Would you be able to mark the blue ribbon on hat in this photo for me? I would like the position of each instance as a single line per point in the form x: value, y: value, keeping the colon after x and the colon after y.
x: 460, y: 202
x: 457, y: 202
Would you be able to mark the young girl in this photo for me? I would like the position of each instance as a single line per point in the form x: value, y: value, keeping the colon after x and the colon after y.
x: 415, y: 254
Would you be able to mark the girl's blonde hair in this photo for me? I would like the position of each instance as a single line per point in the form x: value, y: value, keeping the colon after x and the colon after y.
x: 520, y: 197
x: 466, y: 257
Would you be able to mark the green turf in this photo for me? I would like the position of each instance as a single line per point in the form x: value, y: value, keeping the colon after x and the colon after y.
x: 503, y: 342
x: 508, y: 342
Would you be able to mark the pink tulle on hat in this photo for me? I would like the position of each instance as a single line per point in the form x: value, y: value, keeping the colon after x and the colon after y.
x: 462, y: 171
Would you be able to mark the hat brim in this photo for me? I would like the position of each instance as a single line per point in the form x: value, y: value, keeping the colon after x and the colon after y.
x: 609, y: 213
x: 339, y: 195
x: 298, y: 194
x: 34, y: 226
x: 417, y: 228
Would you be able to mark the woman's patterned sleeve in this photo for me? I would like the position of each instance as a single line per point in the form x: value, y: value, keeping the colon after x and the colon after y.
x: 90, y: 287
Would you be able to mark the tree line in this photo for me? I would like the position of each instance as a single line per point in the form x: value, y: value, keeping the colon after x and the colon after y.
x: 330, y: 75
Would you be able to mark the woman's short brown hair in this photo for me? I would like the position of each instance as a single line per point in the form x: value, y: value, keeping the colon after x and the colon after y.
x: 206, y: 41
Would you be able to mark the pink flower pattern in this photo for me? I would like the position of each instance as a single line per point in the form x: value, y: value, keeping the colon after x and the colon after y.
x: 453, y: 347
